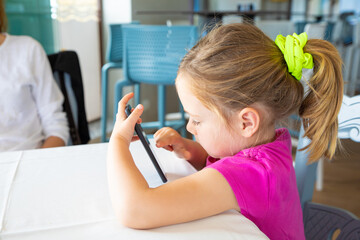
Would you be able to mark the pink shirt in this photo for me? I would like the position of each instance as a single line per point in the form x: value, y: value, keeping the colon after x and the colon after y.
x: 264, y: 183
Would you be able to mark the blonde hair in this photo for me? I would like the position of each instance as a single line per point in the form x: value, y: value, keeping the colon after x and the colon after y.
x: 3, y: 19
x: 237, y: 65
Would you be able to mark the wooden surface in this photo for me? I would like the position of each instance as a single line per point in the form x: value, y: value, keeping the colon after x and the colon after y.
x: 342, y: 179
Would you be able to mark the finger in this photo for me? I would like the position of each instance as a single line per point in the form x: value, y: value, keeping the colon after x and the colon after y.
x: 158, y: 133
x: 166, y: 139
x: 139, y: 120
x: 162, y: 144
x: 135, y: 115
x: 169, y: 148
x: 162, y: 133
x: 122, y: 104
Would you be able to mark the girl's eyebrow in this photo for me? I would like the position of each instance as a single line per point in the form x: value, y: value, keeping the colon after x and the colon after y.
x: 193, y: 115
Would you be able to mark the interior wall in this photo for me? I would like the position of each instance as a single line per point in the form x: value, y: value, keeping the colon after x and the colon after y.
x: 232, y: 5
x: 298, y: 6
x: 275, y: 6
x: 349, y: 5
x: 160, y: 5
x: 114, y: 11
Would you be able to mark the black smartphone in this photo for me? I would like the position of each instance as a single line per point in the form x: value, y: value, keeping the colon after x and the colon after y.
x: 145, y: 142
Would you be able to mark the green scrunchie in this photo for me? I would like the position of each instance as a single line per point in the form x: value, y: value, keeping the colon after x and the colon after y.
x: 292, y: 48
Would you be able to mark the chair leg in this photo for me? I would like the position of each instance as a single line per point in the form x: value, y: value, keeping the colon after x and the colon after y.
x: 348, y: 65
x: 305, y: 173
x: 161, y: 105
x: 104, y: 91
x: 354, y: 73
x: 320, y: 175
x: 137, y: 94
x: 104, y: 101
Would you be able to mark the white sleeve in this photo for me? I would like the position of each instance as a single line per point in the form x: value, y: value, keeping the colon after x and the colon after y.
x: 48, y: 97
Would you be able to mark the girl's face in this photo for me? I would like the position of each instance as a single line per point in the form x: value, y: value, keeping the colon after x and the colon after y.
x: 206, y: 126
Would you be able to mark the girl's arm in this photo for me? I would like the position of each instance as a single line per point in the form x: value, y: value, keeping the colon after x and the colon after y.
x: 192, y: 151
x: 202, y: 194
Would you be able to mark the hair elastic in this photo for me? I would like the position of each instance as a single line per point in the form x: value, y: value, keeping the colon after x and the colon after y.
x: 292, y: 48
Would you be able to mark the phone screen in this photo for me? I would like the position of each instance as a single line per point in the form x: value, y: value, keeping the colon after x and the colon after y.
x: 145, y: 142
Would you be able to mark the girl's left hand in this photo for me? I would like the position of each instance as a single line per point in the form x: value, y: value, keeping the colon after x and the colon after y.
x: 124, y: 126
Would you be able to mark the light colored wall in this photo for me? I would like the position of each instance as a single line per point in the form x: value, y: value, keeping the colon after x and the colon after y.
x: 349, y: 5
x: 231, y: 5
x: 298, y: 6
x: 114, y: 11
x: 160, y: 5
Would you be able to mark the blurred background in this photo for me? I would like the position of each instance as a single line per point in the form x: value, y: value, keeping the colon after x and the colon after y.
x: 83, y: 26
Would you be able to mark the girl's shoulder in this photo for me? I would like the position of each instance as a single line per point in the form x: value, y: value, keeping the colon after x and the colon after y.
x: 280, y: 148
x: 262, y: 158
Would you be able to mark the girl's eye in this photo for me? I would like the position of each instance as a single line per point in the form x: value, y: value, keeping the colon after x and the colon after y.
x: 195, y: 122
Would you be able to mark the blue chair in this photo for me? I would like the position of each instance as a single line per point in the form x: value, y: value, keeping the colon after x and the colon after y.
x: 321, y: 221
x: 151, y: 55
x: 114, y: 57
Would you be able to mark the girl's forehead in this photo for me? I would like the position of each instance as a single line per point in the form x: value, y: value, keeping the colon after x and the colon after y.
x: 190, y: 102
x: 181, y: 77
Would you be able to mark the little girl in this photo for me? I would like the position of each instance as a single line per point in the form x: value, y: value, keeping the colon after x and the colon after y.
x: 235, y: 83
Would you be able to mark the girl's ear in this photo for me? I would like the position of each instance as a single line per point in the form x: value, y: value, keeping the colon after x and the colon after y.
x: 249, y: 119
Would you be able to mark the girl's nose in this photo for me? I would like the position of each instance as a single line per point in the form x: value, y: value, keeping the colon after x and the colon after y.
x: 190, y: 128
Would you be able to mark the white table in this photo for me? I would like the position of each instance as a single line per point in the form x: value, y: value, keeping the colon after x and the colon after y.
x: 62, y: 193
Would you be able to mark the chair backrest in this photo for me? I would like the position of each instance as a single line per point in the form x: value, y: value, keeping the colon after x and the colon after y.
x: 152, y: 54
x: 349, y: 128
x: 325, y: 222
x: 272, y: 28
x: 115, y: 44
x: 66, y: 68
x: 315, y: 30
x: 114, y: 51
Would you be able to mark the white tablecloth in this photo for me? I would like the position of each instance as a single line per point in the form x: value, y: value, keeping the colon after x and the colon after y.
x: 62, y: 193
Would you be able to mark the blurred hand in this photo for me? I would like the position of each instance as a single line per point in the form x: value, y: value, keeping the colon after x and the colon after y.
x: 171, y: 140
x: 124, y: 126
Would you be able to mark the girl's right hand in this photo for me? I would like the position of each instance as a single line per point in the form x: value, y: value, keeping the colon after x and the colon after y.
x: 171, y: 140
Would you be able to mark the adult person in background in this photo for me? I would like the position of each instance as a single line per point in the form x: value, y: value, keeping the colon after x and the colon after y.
x: 31, y: 114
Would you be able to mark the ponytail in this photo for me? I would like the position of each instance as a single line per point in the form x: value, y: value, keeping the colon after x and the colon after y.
x: 322, y: 102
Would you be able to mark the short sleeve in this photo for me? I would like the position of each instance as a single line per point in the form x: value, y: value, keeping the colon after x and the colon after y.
x: 249, y: 181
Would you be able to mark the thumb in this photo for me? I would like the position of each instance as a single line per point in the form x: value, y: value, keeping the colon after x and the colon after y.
x: 135, y: 115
